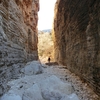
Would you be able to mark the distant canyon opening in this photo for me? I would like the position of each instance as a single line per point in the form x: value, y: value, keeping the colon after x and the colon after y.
x: 45, y: 27
x: 45, y: 46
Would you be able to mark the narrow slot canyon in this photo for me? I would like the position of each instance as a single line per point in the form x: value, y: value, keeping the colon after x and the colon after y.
x: 73, y: 44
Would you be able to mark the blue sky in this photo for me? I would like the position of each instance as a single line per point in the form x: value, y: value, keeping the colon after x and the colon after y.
x: 46, y: 14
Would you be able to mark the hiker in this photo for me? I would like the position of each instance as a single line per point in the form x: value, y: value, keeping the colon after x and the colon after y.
x: 49, y: 60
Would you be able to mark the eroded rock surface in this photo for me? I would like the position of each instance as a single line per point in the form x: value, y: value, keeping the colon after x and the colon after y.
x: 32, y: 68
x: 54, y: 83
x: 45, y: 88
x: 18, y: 37
x: 77, y: 38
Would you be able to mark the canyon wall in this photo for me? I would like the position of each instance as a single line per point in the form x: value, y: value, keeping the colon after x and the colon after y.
x: 18, y: 37
x: 77, y: 38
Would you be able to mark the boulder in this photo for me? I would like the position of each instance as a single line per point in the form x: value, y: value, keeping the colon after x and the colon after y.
x: 33, y: 93
x: 32, y: 68
x: 52, y: 88
x: 55, y: 83
x: 9, y: 96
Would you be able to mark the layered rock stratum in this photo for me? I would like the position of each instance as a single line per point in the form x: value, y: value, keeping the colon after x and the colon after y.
x: 77, y: 38
x: 18, y: 37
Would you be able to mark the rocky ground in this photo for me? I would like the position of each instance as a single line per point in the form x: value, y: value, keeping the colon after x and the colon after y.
x: 42, y: 82
x: 83, y: 91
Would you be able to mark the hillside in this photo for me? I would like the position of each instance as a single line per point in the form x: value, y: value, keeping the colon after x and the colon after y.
x: 45, y: 46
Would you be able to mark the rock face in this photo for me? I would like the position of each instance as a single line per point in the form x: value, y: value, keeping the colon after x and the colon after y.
x: 18, y: 37
x: 77, y: 38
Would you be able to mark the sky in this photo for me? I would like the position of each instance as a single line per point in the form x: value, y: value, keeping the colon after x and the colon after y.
x: 46, y: 14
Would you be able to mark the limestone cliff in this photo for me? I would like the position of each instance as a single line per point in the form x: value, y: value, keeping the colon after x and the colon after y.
x: 18, y: 37
x: 77, y: 38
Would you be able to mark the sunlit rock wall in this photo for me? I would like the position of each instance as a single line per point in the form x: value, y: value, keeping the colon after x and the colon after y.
x: 77, y: 38
x: 18, y: 37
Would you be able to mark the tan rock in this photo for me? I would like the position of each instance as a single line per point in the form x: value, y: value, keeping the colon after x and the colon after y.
x: 18, y: 37
x: 77, y: 38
